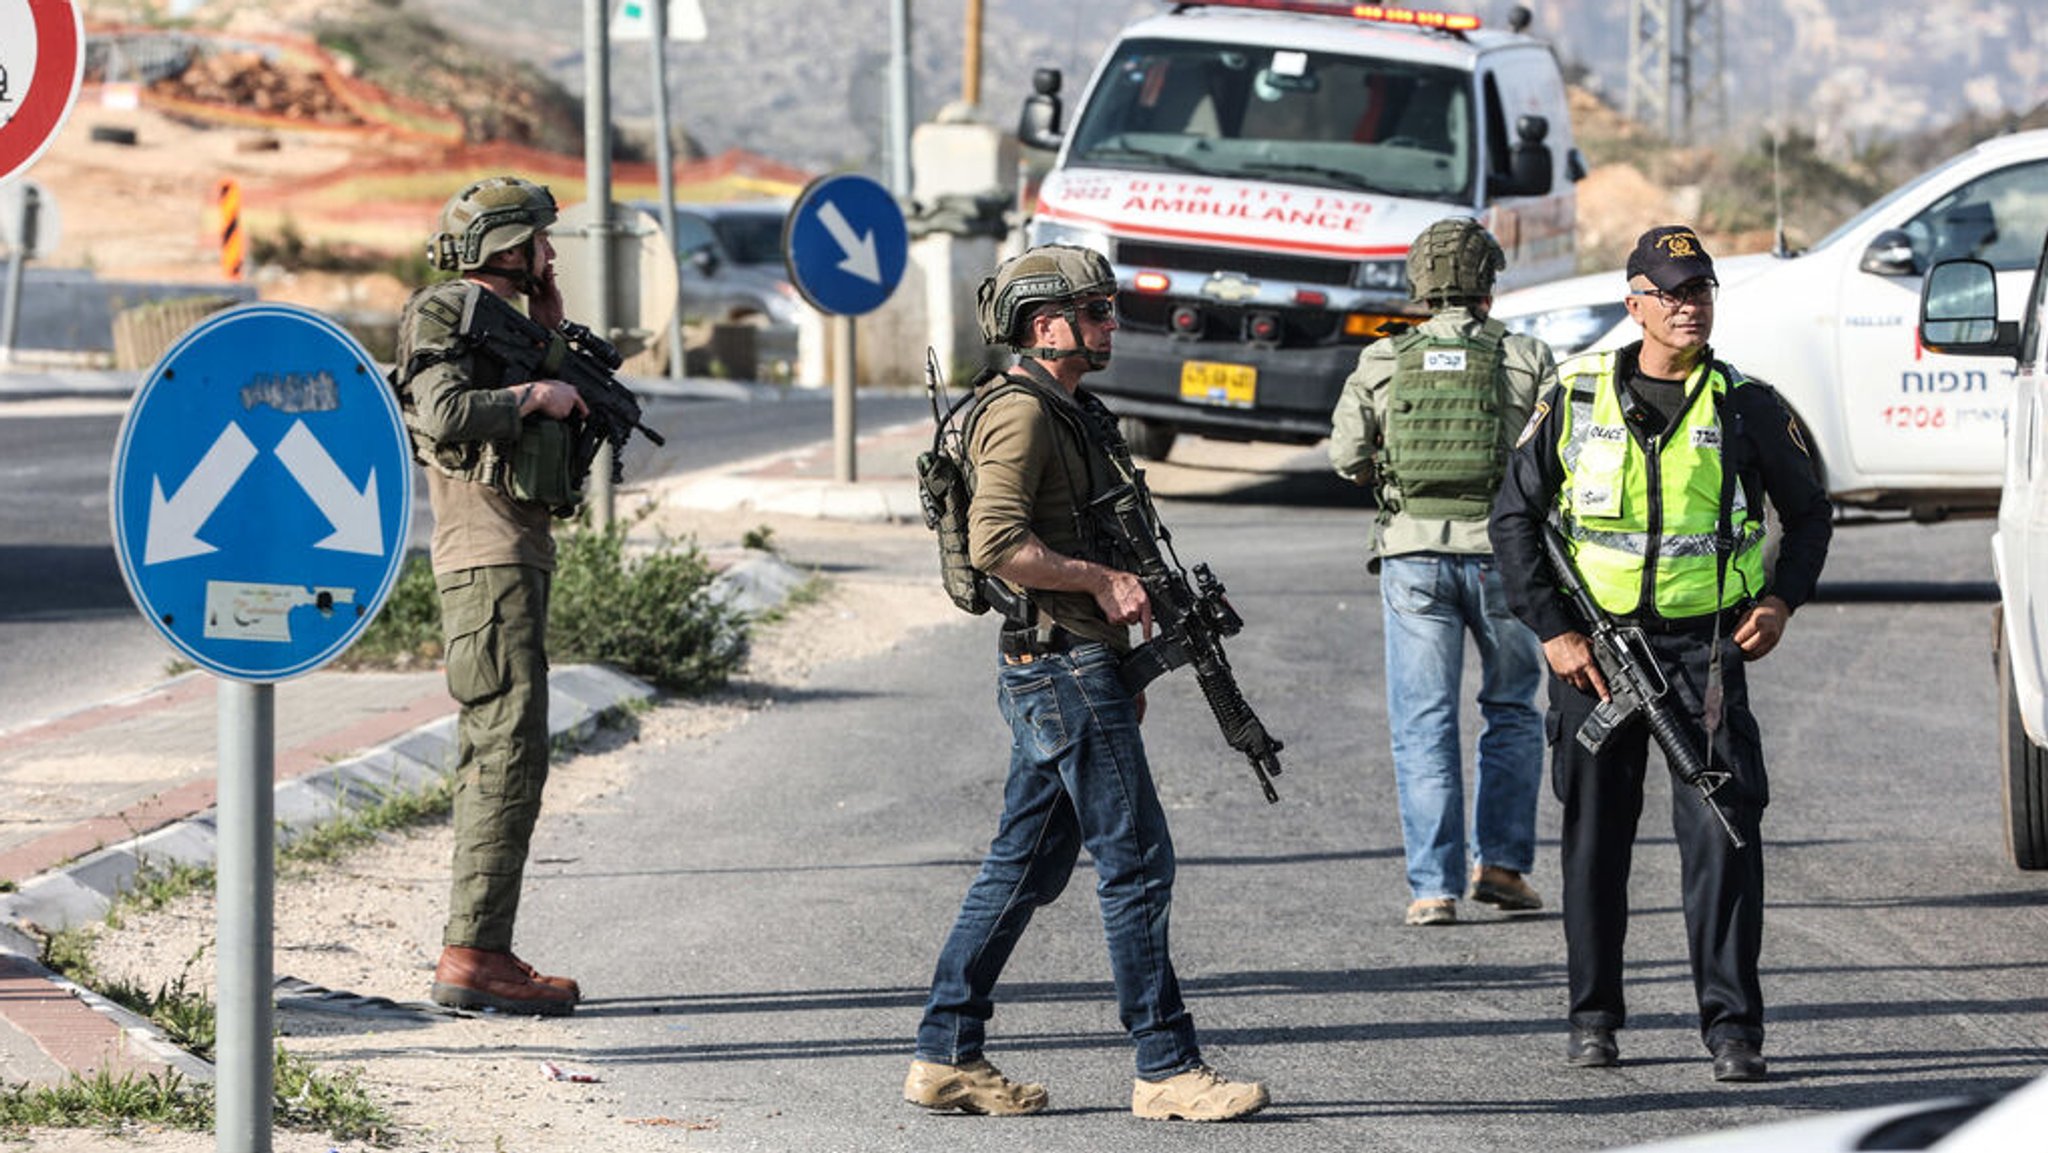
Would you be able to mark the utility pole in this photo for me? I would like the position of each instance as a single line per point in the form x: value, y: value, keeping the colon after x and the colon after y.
x: 970, y: 63
x: 899, y: 98
x: 597, y: 180
x: 1674, y: 65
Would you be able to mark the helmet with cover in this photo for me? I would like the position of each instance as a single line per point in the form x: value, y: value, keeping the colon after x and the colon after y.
x: 1454, y: 262
x: 1047, y: 274
x: 489, y: 217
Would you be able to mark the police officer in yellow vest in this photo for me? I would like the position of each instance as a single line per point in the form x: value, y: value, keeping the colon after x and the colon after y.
x: 1655, y: 460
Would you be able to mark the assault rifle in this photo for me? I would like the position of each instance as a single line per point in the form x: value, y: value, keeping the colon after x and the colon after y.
x: 1192, y: 620
x: 504, y: 333
x: 1635, y: 684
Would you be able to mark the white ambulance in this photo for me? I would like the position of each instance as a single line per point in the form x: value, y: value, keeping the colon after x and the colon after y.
x: 1256, y: 169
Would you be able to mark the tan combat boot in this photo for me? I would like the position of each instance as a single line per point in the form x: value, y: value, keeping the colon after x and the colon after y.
x: 1200, y: 1094
x: 1504, y: 889
x: 975, y: 1087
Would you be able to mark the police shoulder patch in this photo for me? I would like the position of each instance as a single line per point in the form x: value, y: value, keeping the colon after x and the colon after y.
x: 1536, y: 416
x: 1798, y: 437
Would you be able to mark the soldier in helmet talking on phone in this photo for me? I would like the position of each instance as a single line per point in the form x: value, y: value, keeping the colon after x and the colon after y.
x: 1041, y: 447
x: 499, y: 469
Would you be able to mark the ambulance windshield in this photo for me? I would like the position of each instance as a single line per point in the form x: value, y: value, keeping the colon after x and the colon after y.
x: 1281, y: 114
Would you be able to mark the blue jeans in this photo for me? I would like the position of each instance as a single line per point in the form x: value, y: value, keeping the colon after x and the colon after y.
x: 1078, y: 778
x: 1431, y: 601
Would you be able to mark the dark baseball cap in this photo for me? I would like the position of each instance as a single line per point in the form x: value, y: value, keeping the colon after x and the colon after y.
x: 1670, y: 256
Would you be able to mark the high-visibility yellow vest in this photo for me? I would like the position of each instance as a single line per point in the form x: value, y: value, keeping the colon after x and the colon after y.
x: 1642, y: 525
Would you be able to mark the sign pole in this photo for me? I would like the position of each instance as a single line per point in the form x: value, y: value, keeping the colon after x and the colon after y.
x: 665, y: 171
x: 24, y: 244
x: 843, y: 423
x: 245, y: 917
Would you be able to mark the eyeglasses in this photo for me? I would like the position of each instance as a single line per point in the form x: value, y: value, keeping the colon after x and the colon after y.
x: 1099, y: 310
x: 1699, y: 292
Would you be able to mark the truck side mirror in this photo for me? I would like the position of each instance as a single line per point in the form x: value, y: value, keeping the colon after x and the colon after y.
x: 1959, y: 312
x: 1038, y: 126
x: 1890, y: 254
x: 1529, y: 162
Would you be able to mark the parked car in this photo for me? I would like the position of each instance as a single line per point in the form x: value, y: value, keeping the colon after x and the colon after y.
x: 1960, y: 316
x: 731, y: 269
x: 1892, y: 426
x: 2005, y: 1123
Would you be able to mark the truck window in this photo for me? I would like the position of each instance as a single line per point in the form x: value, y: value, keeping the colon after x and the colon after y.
x: 1281, y: 114
x: 1999, y: 218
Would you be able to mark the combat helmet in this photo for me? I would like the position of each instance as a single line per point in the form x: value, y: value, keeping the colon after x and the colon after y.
x: 486, y: 218
x: 1048, y: 274
x: 1453, y: 262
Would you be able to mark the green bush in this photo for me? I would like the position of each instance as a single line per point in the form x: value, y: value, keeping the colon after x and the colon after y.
x: 651, y: 615
x: 407, y: 632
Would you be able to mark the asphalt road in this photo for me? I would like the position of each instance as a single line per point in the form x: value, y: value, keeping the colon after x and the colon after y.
x: 70, y: 635
x: 755, y: 935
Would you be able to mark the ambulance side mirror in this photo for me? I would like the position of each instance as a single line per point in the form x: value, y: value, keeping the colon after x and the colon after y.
x: 1038, y: 126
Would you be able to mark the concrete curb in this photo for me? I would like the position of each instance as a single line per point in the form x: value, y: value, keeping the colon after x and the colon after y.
x: 81, y: 892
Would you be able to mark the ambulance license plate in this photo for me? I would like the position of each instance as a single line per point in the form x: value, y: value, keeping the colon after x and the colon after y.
x: 1213, y: 382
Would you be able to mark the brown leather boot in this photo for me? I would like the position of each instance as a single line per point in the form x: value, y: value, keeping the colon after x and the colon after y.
x: 568, y: 983
x: 478, y: 979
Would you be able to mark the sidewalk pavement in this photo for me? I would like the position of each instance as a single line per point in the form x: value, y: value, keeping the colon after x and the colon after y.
x: 89, y: 798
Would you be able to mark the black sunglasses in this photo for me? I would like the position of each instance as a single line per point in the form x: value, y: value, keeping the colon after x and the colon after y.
x: 1099, y: 310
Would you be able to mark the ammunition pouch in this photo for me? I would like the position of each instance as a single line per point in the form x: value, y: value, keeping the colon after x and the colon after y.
x: 543, y: 467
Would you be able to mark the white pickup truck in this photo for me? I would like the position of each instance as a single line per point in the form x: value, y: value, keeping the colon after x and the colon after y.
x: 1893, y: 425
x: 1960, y: 316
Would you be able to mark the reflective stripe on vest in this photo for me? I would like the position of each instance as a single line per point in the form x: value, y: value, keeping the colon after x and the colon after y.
x: 1616, y: 523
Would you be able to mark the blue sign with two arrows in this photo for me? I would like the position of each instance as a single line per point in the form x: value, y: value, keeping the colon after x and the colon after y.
x: 262, y: 493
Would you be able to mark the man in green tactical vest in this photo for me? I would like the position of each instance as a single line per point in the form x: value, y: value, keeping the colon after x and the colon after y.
x: 1428, y: 419
x: 1654, y: 462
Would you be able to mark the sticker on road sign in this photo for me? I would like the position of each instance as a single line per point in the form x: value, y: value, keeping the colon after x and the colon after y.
x: 262, y: 493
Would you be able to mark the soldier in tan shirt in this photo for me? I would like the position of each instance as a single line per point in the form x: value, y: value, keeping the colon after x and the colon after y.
x: 1040, y: 447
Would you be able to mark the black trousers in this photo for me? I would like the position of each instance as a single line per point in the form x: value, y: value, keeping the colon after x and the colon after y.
x: 1723, y: 886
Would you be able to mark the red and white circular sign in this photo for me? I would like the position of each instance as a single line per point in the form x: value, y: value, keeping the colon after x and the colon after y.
x: 42, y: 61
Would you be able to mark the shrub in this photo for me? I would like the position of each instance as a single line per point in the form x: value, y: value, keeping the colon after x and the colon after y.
x: 650, y: 614
x: 653, y: 615
x: 407, y: 632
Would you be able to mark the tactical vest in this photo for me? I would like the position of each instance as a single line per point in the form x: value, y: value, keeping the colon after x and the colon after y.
x: 535, y: 466
x: 1442, y: 454
x: 1645, y: 525
x: 429, y: 333
x: 946, y: 485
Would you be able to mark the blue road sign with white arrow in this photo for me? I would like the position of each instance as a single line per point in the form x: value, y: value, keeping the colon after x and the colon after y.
x: 845, y: 244
x: 262, y: 493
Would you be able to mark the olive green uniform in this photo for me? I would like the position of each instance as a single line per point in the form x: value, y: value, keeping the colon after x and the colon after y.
x: 1359, y: 422
x: 493, y: 559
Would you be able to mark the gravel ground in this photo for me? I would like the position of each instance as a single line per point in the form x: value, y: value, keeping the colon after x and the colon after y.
x: 371, y: 924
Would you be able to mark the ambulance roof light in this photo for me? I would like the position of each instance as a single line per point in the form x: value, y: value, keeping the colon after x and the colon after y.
x: 1386, y: 14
